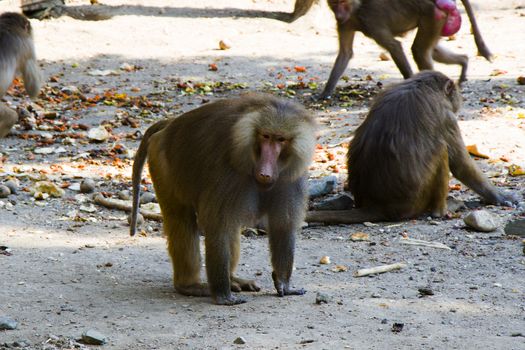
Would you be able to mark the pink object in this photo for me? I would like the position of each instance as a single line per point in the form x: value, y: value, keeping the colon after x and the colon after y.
x: 448, y: 9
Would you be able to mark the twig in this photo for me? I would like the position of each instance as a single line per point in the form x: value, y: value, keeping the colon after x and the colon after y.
x: 420, y: 242
x: 124, y: 206
x: 379, y: 269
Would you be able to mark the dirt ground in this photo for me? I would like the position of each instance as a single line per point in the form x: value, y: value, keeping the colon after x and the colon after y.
x: 68, y: 266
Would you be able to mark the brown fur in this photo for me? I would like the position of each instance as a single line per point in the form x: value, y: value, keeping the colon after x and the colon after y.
x: 208, y: 170
x: 400, y: 157
x: 301, y: 7
x: 17, y: 54
x: 383, y: 20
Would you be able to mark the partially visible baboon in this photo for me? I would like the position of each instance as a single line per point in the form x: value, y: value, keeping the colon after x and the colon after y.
x: 401, y: 155
x: 300, y: 9
x: 218, y: 168
x: 17, y: 54
x: 383, y: 20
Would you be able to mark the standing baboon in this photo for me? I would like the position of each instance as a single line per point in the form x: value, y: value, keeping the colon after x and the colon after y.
x: 17, y: 53
x: 401, y: 155
x: 383, y: 20
x: 218, y: 168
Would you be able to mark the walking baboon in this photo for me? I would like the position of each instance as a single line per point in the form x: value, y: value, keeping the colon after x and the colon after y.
x: 17, y: 54
x: 218, y: 168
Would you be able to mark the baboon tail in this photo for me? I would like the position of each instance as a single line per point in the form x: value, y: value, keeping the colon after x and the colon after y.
x: 353, y: 216
x: 32, y: 78
x: 138, y: 166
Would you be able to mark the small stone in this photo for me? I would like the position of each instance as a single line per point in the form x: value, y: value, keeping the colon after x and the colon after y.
x: 322, y: 298
x: 98, y: 134
x: 481, y: 220
x: 424, y: 291
x: 320, y: 187
x: 7, y: 323
x: 239, y: 340
x: 515, y: 228
x: 12, y: 185
x: 140, y: 220
x: 147, y: 197
x: 324, y: 260
x: 340, y: 202
x: 4, y: 191
x: 397, y: 327
x: 20, y: 344
x: 124, y: 195
x: 87, y: 186
x: 93, y: 337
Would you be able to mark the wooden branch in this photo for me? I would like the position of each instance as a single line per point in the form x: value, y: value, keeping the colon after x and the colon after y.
x: 420, y: 242
x: 124, y: 206
x: 379, y: 269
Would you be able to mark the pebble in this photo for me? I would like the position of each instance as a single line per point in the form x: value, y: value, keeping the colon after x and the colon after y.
x: 397, y: 327
x: 481, y: 220
x: 4, y: 191
x: 87, y: 186
x: 424, y: 291
x: 515, y: 228
x: 320, y: 187
x: 98, y: 134
x: 239, y: 340
x: 324, y: 260
x: 147, y: 197
x: 7, y: 323
x: 93, y: 337
x: 12, y: 185
x: 322, y: 298
x: 124, y: 195
x: 140, y: 220
x: 340, y: 202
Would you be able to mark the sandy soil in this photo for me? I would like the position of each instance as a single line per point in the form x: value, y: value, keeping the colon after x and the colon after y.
x: 71, y: 267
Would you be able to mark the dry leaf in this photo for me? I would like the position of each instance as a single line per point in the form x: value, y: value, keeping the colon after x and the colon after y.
x: 516, y: 170
x: 359, y: 236
x: 339, y: 268
x: 473, y: 150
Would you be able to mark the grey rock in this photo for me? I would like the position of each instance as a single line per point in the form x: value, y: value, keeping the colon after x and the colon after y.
x: 12, y: 185
x: 124, y: 195
x: 340, y: 202
x: 93, y: 337
x: 7, y: 323
x: 481, y: 220
x: 516, y: 228
x: 240, y: 340
x: 140, y: 220
x: 87, y: 186
x: 322, y: 298
x: 320, y: 187
x: 4, y: 191
x: 147, y: 197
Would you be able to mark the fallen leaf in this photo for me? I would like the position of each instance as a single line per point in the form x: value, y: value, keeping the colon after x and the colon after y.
x: 213, y: 67
x: 359, y: 236
x: 516, y: 170
x: 339, y: 268
x: 497, y: 72
x: 300, y: 69
x: 473, y: 150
